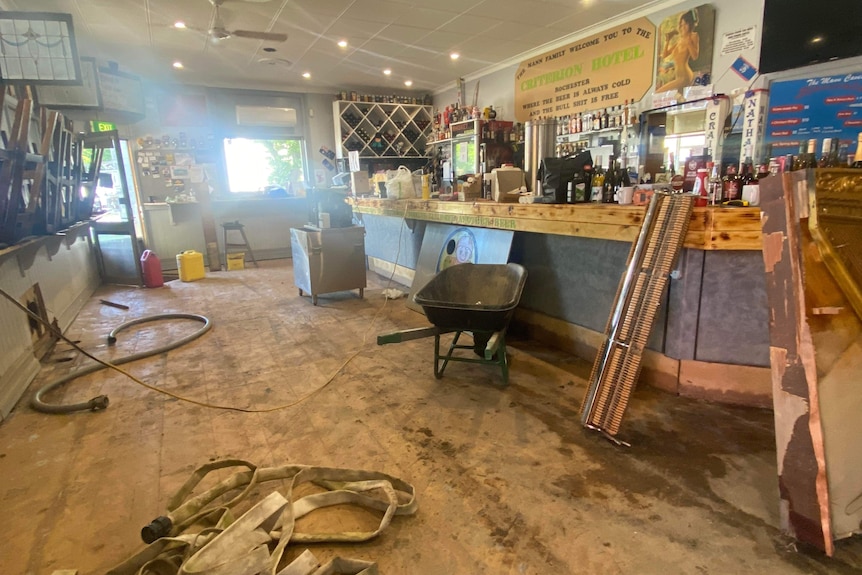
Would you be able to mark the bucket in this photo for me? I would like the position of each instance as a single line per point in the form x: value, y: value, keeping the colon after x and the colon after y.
x: 190, y: 265
x: 236, y: 261
x: 152, y: 269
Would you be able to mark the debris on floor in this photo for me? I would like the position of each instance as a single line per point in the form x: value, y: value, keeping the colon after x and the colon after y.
x: 201, y: 534
x: 393, y: 293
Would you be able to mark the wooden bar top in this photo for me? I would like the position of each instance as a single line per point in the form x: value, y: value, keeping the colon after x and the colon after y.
x: 711, y: 228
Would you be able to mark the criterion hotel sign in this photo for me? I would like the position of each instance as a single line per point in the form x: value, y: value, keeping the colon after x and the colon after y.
x: 591, y: 74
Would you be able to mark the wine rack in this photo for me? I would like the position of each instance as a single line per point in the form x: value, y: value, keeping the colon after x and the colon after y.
x: 381, y: 130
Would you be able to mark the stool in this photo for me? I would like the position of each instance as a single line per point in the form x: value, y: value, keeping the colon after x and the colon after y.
x: 235, y: 226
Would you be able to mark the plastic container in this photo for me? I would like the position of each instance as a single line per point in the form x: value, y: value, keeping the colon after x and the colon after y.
x: 151, y: 267
x: 236, y: 261
x: 191, y: 266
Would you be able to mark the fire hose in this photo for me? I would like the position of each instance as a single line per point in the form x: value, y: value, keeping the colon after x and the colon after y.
x: 101, y: 401
x: 201, y: 535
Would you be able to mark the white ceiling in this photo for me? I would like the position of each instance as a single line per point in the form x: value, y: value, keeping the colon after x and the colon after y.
x: 411, y: 37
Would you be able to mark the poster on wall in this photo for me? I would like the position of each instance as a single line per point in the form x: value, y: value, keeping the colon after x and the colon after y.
x: 601, y: 71
x: 685, y: 49
x: 814, y: 108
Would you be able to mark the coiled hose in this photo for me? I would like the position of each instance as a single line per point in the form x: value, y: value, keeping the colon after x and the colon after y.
x: 101, y: 402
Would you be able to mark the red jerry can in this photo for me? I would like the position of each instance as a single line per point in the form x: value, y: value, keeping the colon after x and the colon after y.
x: 152, y: 268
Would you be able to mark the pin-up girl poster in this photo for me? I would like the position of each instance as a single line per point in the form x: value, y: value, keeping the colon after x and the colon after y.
x: 685, y: 49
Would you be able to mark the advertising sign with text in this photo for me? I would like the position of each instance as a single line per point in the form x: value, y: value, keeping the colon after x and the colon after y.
x: 597, y: 72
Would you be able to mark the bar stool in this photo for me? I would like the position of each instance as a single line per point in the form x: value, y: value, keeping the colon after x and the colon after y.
x: 235, y: 226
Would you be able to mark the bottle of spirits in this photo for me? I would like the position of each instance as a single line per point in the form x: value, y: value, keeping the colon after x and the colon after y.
x: 825, y: 152
x: 731, y: 189
x: 715, y: 184
x: 610, y: 184
x: 598, y: 180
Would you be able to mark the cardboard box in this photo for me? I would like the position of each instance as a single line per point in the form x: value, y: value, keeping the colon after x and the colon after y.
x: 504, y: 180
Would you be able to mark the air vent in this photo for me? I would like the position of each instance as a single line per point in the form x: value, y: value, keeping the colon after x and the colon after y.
x: 265, y: 116
x: 280, y: 62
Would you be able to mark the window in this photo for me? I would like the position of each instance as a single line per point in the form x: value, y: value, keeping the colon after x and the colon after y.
x: 271, y: 166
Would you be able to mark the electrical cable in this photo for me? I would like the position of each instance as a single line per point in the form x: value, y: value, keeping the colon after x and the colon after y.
x: 101, y: 402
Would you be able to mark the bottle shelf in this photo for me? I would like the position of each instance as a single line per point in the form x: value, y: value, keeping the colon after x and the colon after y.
x: 382, y: 130
x: 579, y: 135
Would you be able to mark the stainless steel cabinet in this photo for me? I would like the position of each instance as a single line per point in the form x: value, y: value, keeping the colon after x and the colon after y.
x: 327, y: 260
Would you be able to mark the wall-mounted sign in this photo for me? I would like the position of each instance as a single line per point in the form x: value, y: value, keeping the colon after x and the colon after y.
x: 597, y: 72
x: 685, y: 49
x: 99, y: 126
x: 121, y: 92
x: 814, y: 108
x: 84, y: 96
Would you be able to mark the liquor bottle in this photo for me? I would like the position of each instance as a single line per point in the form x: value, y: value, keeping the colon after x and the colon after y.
x: 609, y: 185
x: 811, y: 159
x: 762, y: 172
x: 731, y: 189
x: 598, y: 180
x: 857, y: 160
x: 605, y: 119
x: 715, y: 184
x: 825, y: 152
x: 746, y: 174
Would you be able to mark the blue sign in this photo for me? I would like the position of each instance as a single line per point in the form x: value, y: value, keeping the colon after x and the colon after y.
x: 744, y: 68
x: 814, y: 108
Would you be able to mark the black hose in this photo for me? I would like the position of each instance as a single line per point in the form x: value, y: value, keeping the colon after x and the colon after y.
x: 101, y: 402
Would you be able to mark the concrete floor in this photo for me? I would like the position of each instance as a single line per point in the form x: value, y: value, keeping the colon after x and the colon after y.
x: 507, y: 480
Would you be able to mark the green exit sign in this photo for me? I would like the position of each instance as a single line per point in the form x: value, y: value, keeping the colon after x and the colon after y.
x: 102, y: 126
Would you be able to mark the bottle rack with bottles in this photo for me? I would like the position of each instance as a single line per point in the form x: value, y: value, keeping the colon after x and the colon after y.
x: 381, y: 130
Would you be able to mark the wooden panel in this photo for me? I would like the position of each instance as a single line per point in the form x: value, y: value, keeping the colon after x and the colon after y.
x: 709, y: 228
x: 726, y: 383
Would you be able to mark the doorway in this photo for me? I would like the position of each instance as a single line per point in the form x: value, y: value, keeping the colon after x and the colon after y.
x: 116, y: 232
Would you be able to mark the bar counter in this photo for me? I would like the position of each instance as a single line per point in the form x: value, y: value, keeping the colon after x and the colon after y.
x: 711, y: 228
x: 711, y: 336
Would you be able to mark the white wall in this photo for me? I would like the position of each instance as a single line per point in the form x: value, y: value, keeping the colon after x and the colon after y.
x: 67, y: 275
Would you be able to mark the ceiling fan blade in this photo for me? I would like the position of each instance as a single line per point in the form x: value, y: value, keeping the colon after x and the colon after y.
x: 268, y: 36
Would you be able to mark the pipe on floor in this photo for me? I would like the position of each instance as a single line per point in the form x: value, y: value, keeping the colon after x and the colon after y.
x: 101, y: 402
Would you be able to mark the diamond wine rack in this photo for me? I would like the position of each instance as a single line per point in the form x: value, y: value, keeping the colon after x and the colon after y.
x: 381, y: 130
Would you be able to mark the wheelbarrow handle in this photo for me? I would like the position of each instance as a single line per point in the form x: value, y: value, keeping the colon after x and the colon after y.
x: 408, y: 334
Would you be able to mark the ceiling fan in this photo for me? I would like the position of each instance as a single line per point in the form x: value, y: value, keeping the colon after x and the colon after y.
x: 218, y: 31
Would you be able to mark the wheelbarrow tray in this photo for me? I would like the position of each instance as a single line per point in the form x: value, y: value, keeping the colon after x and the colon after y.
x: 473, y: 297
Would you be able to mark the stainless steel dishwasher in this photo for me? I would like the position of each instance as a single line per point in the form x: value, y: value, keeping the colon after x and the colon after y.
x: 327, y: 260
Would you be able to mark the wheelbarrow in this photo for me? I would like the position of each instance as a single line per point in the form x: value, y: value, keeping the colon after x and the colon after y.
x: 478, y: 298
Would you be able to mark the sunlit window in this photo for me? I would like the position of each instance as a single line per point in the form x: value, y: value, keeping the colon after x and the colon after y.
x: 265, y: 166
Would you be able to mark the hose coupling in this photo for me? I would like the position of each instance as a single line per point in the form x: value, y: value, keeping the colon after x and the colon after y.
x: 98, y: 403
x: 158, y: 528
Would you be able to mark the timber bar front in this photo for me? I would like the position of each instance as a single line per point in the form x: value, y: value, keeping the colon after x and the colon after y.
x: 711, y: 337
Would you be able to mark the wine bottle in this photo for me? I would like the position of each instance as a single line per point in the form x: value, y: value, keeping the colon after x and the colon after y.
x: 598, y: 180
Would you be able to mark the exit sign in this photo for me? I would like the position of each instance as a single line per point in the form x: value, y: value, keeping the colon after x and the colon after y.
x: 102, y: 126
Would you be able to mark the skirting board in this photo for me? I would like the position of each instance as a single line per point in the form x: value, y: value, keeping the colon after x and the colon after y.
x: 718, y: 382
x: 402, y: 275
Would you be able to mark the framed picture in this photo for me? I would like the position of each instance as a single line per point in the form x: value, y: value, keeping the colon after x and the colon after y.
x: 85, y: 96
x: 38, y: 48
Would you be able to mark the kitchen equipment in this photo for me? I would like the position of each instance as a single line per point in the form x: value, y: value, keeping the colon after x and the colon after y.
x: 328, y: 260
x: 540, y: 140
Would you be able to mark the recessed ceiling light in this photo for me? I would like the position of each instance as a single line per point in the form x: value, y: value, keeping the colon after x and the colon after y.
x: 387, y: 71
x: 342, y: 43
x: 178, y: 65
x: 179, y: 24
x: 454, y: 55
x: 408, y: 83
x: 306, y: 74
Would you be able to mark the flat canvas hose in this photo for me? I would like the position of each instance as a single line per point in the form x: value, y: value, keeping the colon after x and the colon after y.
x: 101, y: 402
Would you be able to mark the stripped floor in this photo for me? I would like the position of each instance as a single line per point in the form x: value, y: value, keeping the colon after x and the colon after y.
x: 507, y: 480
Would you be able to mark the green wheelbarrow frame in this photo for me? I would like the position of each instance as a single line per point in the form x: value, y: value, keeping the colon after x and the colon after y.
x: 494, y: 352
